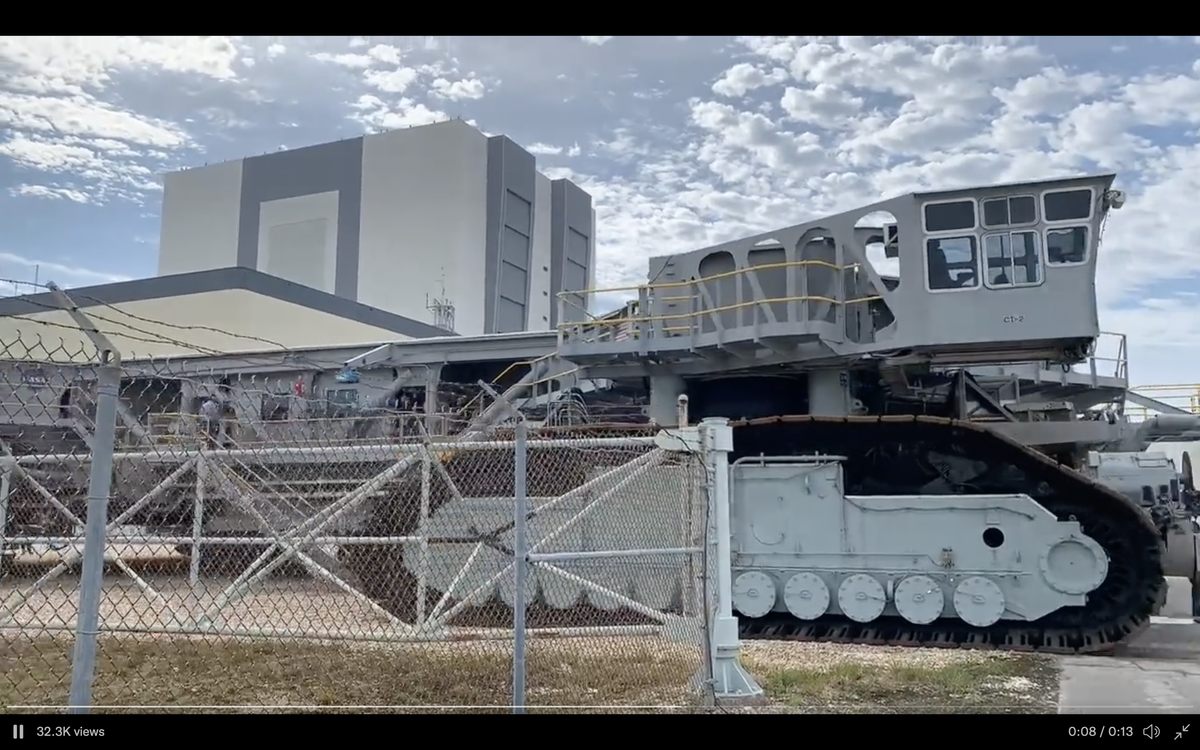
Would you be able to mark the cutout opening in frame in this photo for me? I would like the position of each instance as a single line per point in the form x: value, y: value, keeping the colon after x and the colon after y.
x: 879, y: 232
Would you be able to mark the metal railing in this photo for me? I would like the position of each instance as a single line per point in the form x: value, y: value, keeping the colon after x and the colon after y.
x: 633, y: 322
x: 1114, y: 366
x: 1117, y: 364
x: 185, y: 428
x: 1185, y: 397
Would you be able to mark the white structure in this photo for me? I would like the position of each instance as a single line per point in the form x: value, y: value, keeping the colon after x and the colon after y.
x: 227, y: 310
x: 439, y: 216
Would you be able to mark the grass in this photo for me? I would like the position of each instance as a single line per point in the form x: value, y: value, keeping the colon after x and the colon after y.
x: 912, y: 681
x: 270, y: 676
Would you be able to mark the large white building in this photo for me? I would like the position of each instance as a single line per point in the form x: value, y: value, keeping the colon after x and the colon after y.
x: 342, y: 244
x: 399, y: 221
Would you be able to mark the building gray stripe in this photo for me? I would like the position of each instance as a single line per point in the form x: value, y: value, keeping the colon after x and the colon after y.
x: 324, y: 168
x: 558, y: 241
x: 200, y: 282
x: 511, y: 217
x: 572, y: 211
x: 495, y: 228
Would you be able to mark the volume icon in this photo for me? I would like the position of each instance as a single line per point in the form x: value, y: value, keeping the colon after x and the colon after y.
x: 18, y: 731
x: 1151, y: 731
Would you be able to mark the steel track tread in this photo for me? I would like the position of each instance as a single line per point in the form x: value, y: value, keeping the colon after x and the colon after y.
x: 1120, y: 609
x: 1115, y: 612
x: 757, y: 631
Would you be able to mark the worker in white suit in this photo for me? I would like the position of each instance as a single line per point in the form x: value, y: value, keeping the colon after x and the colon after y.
x: 210, y: 421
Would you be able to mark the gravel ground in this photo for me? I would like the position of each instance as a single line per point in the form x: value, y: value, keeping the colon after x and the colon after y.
x: 299, y: 605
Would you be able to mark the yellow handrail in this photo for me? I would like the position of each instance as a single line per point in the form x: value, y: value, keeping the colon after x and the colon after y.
x: 713, y: 310
x: 505, y: 371
x: 1171, y: 394
x: 714, y: 277
x: 620, y: 321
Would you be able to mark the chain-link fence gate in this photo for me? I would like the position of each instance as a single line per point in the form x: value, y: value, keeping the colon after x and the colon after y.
x: 330, y: 560
x: 612, y: 593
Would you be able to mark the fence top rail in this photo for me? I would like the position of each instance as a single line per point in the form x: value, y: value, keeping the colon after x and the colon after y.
x: 350, y: 452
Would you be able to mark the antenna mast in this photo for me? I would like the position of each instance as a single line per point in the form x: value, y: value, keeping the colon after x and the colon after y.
x: 441, y: 307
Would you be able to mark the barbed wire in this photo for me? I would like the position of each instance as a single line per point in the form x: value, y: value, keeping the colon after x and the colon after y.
x: 183, y: 327
x: 159, y: 338
x: 142, y: 335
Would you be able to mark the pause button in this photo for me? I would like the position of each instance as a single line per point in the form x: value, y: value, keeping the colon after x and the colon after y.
x: 18, y: 731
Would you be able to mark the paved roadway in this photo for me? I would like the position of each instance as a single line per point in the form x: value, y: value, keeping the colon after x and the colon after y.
x: 1157, y: 673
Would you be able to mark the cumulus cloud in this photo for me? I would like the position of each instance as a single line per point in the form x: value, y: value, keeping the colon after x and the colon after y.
x: 745, y: 77
x: 377, y: 115
x: 682, y: 141
x: 544, y: 149
x: 345, y: 59
x: 67, y: 127
x: 467, y: 88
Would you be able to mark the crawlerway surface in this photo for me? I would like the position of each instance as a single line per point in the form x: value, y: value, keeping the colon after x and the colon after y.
x: 601, y: 674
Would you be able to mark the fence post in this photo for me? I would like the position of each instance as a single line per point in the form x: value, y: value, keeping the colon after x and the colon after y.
x: 198, y: 510
x: 520, y: 566
x: 730, y: 679
x: 5, y: 491
x: 91, y: 579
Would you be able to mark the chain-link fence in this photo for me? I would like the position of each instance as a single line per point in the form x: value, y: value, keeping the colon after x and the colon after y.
x: 260, y: 552
x: 48, y: 416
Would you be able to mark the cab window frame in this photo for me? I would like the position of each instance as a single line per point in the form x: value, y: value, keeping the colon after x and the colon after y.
x: 976, y: 261
x: 1039, y: 256
x: 1075, y: 219
x: 1008, y: 209
x: 957, y: 230
x: 1066, y: 228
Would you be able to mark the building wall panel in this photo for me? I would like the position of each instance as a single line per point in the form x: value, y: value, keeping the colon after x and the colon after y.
x: 511, y: 196
x: 200, y: 216
x: 297, y: 239
x: 422, y: 223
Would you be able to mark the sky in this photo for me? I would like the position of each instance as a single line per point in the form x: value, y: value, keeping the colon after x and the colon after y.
x: 682, y: 141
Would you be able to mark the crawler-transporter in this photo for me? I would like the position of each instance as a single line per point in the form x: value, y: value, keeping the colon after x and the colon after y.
x: 924, y: 457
